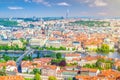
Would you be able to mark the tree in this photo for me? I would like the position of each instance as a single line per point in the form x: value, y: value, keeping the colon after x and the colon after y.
x: 2, y: 61
x: 36, y: 71
x: 70, y: 78
x: 104, y: 49
x: 58, y: 55
x: 112, y: 50
x: 37, y: 77
x: 24, y: 48
x: 118, y: 68
x: 2, y: 73
x: 4, y: 68
x: 59, y: 62
x: 29, y: 57
x: 28, y: 79
x: 73, y: 49
x: 68, y: 49
x: 22, y: 39
x: 6, y: 58
x: 107, y: 64
x: 62, y: 63
x: 25, y: 42
x: 52, y: 78
x: 6, y: 48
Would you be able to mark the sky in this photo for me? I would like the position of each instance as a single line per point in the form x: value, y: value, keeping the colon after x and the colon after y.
x: 58, y: 8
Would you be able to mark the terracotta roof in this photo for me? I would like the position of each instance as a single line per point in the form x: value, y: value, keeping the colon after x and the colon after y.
x: 43, y: 60
x: 110, y: 73
x: 19, y: 35
x: 83, y: 77
x: 9, y: 63
x: 117, y: 63
x: 72, y: 55
x: 105, y: 74
x: 50, y: 67
x: 89, y: 69
x: 11, y: 78
x: 12, y: 63
x: 90, y: 58
x: 52, y: 38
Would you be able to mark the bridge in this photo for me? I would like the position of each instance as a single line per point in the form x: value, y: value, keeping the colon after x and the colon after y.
x: 28, y: 52
x: 19, y: 60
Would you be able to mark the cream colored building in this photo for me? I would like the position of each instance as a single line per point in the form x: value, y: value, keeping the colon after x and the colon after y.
x: 84, y: 62
x: 16, y: 42
x: 12, y: 43
x: 37, y: 42
x: 4, y: 42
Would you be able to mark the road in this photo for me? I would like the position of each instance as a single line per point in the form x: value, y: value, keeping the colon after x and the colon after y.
x: 15, y: 51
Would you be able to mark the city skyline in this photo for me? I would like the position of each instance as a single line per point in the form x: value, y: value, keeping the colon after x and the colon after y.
x: 59, y: 40
x: 58, y: 8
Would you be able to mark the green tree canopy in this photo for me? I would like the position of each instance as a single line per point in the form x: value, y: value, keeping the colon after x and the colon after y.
x: 36, y: 71
x: 2, y: 73
x: 37, y: 76
x: 104, y: 49
x: 118, y: 68
x: 70, y: 78
x: 52, y: 78
x: 58, y: 55
x: 28, y: 79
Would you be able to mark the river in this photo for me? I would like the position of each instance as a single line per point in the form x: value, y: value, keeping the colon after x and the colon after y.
x: 110, y: 55
x: 44, y: 53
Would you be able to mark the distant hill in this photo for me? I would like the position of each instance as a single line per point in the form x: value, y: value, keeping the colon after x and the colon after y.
x: 34, y: 19
x: 8, y: 23
x: 91, y: 23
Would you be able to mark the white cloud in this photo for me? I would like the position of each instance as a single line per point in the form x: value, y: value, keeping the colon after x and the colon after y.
x: 47, y: 4
x: 100, y: 3
x: 39, y: 1
x: 100, y: 7
x: 27, y: 1
x: 102, y: 13
x: 94, y: 3
x: 63, y: 4
x: 15, y: 8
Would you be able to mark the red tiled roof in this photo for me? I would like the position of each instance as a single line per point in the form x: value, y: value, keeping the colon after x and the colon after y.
x: 11, y: 78
x: 72, y: 55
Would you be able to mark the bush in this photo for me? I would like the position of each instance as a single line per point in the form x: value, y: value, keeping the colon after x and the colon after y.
x: 70, y: 78
x: 36, y: 71
x: 37, y: 77
x: 118, y: 68
x: 59, y: 62
x: 112, y: 50
x: 52, y: 78
x: 103, y: 49
x: 28, y: 79
x: 58, y: 55
x: 2, y: 73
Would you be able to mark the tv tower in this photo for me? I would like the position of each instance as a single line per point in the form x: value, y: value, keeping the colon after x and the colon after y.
x: 67, y: 13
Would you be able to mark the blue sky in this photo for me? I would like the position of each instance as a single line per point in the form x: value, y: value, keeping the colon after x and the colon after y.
x: 50, y: 8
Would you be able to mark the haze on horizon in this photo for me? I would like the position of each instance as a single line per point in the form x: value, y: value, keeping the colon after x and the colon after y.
x: 45, y: 8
